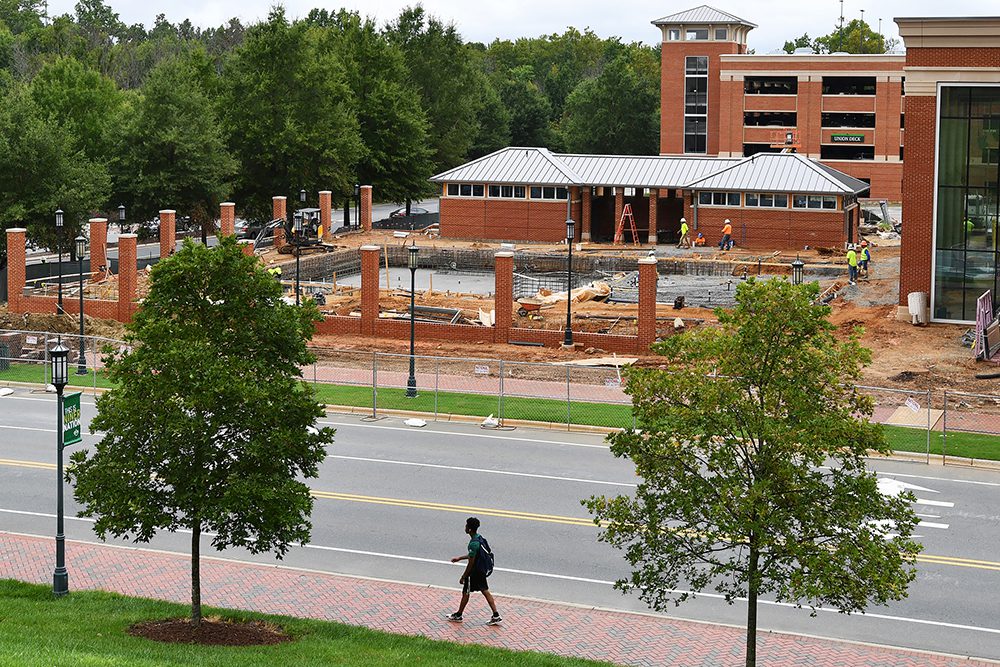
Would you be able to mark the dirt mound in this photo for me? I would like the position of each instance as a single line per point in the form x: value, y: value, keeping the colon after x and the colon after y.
x: 211, y: 632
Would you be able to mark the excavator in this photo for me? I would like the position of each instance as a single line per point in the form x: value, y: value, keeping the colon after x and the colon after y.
x: 310, y: 239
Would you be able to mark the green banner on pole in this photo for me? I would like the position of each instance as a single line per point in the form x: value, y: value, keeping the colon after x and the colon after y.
x: 71, y: 418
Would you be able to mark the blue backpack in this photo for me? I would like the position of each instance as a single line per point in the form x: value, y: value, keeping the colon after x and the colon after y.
x: 484, y: 558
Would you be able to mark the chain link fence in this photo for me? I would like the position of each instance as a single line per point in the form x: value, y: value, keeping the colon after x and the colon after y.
x: 970, y: 429
x: 908, y: 418
x: 24, y: 357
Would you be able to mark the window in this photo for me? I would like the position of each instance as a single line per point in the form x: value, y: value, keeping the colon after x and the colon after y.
x: 548, y: 192
x: 766, y: 200
x: 536, y: 192
x: 507, y: 191
x: 826, y: 202
x: 902, y: 121
x: 769, y: 119
x: 830, y: 202
x: 519, y: 192
x: 478, y: 190
x: 900, y: 153
x: 453, y: 189
x: 696, y: 103
x: 770, y: 85
x: 494, y: 190
x: 696, y: 65
x: 721, y: 33
x: 848, y: 85
x: 697, y: 34
x: 673, y: 35
x: 696, y: 95
x: 719, y: 198
x: 832, y: 119
x: 466, y: 190
x: 695, y: 135
x: 846, y: 152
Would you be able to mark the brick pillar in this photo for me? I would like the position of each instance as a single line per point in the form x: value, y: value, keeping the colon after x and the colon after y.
x: 619, y: 206
x: 654, y: 196
x: 503, y: 295
x: 326, y: 213
x: 369, y: 288
x: 247, y: 246
x: 227, y: 219
x: 168, y: 232
x: 16, y: 257
x: 585, y: 217
x: 126, y: 276
x: 366, y: 208
x: 647, y: 303
x: 98, y: 248
x: 278, y: 212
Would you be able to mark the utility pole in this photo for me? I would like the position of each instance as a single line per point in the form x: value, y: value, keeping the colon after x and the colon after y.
x: 861, y: 33
x: 881, y: 42
x: 840, y: 33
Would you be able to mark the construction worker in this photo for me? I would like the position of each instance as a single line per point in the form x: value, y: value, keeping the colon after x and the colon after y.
x: 852, y: 264
x: 275, y: 272
x: 727, y: 236
x: 864, y: 256
x: 969, y: 226
x: 685, y: 240
x: 699, y: 240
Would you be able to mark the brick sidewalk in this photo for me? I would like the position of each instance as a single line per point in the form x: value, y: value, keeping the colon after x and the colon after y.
x: 632, y: 639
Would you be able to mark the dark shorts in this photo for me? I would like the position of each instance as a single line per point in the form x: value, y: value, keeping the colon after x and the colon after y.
x: 475, y: 582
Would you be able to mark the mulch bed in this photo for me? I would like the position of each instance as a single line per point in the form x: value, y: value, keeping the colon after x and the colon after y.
x: 214, y: 632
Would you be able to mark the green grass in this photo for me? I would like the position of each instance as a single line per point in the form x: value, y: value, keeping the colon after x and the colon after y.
x: 968, y: 445
x: 87, y: 629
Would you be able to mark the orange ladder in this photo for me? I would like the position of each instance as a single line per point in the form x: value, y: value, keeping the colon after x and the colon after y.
x: 620, y: 229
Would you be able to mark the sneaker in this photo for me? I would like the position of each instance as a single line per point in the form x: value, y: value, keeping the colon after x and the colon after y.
x: 495, y: 620
x: 455, y: 618
x: 852, y: 283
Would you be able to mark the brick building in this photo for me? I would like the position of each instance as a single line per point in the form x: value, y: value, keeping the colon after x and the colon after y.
x: 845, y: 110
x: 773, y: 200
x: 951, y: 196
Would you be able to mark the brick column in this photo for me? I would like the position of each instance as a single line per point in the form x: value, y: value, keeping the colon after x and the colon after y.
x: 227, y: 219
x: 647, y: 303
x: 247, y: 246
x: 585, y: 217
x: 126, y: 276
x: 278, y: 212
x: 619, y: 207
x: 98, y: 248
x: 168, y: 232
x: 654, y: 196
x: 16, y: 257
x: 369, y: 288
x: 503, y: 295
x: 366, y: 208
x: 326, y: 213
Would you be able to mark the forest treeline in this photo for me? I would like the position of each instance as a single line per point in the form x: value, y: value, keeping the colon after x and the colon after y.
x: 96, y: 113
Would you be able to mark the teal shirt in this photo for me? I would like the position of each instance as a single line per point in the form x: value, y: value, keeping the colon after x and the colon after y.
x: 473, y: 546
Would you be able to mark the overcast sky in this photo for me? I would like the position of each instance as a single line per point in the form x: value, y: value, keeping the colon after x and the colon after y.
x: 486, y: 20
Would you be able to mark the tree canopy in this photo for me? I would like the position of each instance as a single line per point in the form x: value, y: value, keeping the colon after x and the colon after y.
x: 209, y: 428
x: 751, y: 451
x: 855, y: 37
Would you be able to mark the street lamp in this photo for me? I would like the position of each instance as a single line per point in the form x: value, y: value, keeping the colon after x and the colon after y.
x: 59, y: 225
x: 121, y: 218
x: 302, y: 196
x: 411, y: 382
x: 797, y: 266
x: 296, y: 241
x: 81, y: 248
x: 570, y: 237
x: 58, y: 357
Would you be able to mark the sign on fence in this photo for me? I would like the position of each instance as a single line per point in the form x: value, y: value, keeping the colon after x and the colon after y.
x: 481, y: 369
x: 912, y: 404
x: 31, y: 340
x: 71, y: 418
x: 612, y: 383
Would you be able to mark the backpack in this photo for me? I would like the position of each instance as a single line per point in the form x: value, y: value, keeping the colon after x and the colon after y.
x: 484, y: 559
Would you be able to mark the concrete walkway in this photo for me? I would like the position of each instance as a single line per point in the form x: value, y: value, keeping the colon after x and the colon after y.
x: 632, y: 639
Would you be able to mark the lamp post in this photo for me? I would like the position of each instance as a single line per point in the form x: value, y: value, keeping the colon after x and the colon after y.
x: 59, y: 358
x: 296, y: 238
x: 59, y: 226
x: 411, y: 382
x: 81, y: 248
x: 797, y: 266
x: 121, y: 218
x: 357, y: 204
x: 570, y: 237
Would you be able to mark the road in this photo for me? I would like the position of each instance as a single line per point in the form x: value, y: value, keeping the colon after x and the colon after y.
x: 391, y: 503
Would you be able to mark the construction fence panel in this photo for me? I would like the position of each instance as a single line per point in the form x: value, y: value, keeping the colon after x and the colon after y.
x: 536, y: 392
x: 596, y: 397
x: 344, y: 377
x: 23, y: 357
x: 444, y: 386
x: 970, y: 427
x: 907, y: 417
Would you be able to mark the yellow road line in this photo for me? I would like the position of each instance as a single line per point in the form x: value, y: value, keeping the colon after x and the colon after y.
x: 28, y: 464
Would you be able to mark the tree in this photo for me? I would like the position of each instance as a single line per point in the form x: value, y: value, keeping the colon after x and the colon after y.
x: 175, y: 153
x: 494, y: 124
x: 855, y: 37
x: 614, y: 113
x: 803, y: 42
x: 528, y: 108
x: 209, y: 427
x: 751, y: 448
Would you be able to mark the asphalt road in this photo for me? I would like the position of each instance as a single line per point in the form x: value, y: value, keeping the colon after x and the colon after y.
x: 391, y: 503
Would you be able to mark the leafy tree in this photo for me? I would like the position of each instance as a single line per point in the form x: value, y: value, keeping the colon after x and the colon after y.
x: 751, y: 451
x: 22, y: 15
x: 528, y: 108
x: 856, y: 37
x: 209, y: 427
x: 288, y: 115
x: 494, y: 123
x: 616, y: 112
x: 175, y: 153
x: 802, y: 42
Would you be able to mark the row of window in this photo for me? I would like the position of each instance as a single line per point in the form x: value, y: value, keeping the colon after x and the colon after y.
x: 767, y: 200
x: 831, y: 119
x: 696, y: 104
x: 789, y: 85
x: 508, y: 191
x: 696, y: 34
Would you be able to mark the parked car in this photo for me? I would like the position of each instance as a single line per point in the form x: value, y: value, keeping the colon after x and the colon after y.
x: 414, y: 210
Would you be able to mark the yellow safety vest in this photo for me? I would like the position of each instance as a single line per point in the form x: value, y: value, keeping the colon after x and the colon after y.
x: 852, y: 258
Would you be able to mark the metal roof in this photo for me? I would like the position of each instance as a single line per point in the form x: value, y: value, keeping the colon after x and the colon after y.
x: 702, y: 14
x: 645, y: 171
x: 780, y: 172
x: 512, y: 165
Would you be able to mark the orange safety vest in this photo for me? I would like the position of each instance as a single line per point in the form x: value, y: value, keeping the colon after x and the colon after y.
x: 728, y: 229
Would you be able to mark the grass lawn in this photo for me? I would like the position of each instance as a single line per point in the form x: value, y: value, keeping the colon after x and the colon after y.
x: 967, y: 445
x: 87, y: 628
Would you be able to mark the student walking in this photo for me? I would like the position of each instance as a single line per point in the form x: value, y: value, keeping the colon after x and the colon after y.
x: 685, y: 240
x: 852, y: 264
x: 480, y: 566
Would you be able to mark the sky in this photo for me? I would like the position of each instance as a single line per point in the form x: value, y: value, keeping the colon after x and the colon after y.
x: 486, y: 20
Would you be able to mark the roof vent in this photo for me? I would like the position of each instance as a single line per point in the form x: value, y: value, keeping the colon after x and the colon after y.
x: 803, y: 50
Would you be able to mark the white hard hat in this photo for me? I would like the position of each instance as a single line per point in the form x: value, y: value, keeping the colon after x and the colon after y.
x: 850, y: 246
x: 727, y: 221
x: 683, y: 220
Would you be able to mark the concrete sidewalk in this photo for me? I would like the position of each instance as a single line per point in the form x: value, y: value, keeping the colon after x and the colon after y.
x: 633, y: 639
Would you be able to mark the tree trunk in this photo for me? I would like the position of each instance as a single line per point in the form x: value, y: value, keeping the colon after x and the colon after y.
x: 196, y: 574
x: 752, y: 606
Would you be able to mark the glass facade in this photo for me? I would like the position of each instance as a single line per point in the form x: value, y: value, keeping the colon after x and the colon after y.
x: 966, y: 248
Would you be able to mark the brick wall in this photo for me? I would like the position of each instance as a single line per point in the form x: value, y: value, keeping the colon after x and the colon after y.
x: 647, y: 303
x: 98, y: 247
x: 370, y: 255
x: 227, y: 218
x: 326, y: 213
x: 886, y: 177
x: 504, y: 219
x: 279, y: 211
x: 915, y: 254
x: 653, y: 201
x: 168, y: 232
x: 247, y: 245
x: 16, y: 263
x: 672, y: 57
x: 126, y: 306
x: 338, y: 324
x: 503, y: 294
x: 365, y: 209
x: 952, y: 57
x: 763, y: 228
